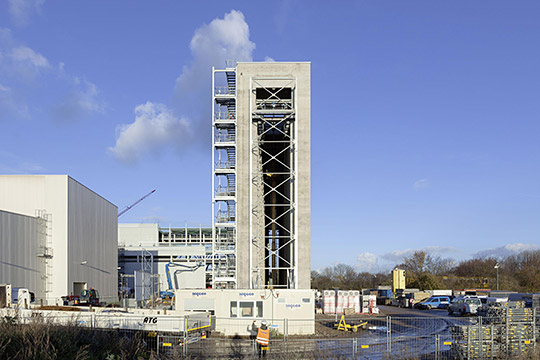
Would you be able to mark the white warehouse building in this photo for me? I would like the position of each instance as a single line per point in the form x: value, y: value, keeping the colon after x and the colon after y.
x: 57, y: 237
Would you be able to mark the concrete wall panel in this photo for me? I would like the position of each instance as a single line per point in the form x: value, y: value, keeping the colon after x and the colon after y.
x: 246, y: 72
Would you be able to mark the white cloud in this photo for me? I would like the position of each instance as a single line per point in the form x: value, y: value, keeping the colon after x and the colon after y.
x: 18, y: 61
x: 373, y: 263
x: 506, y: 250
x: 23, y: 54
x: 222, y: 39
x: 82, y: 98
x: 10, y: 106
x: 421, y: 184
x: 22, y: 10
x: 155, y: 128
x: 397, y: 256
x: 23, y: 69
x: 367, y: 262
x: 269, y: 59
x: 212, y: 44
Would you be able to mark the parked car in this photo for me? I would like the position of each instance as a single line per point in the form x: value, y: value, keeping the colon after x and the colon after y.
x: 464, y: 306
x: 434, y: 302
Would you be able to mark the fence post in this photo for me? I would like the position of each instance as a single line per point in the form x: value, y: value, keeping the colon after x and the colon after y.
x: 184, y: 344
x: 286, y: 335
x: 157, y: 344
x: 389, y: 335
x: 355, y: 347
x: 437, y: 347
x: 480, y: 338
x: 534, y: 327
x: 469, y: 342
x: 507, y: 325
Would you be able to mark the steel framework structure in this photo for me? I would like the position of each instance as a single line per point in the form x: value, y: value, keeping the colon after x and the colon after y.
x: 273, y: 188
x: 45, y: 252
x: 224, y: 194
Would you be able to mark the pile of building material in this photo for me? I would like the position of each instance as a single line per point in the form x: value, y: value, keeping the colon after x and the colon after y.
x: 409, y: 297
x: 349, y: 302
x: 506, y: 330
x: 477, y: 341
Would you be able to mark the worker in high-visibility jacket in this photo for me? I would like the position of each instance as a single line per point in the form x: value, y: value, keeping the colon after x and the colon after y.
x: 263, y: 339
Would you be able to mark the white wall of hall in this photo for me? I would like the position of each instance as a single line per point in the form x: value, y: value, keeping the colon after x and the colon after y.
x: 83, y: 224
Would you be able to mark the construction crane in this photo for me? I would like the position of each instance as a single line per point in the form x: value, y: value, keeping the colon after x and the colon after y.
x: 135, y: 203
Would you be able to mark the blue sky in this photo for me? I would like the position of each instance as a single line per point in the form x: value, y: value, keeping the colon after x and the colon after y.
x: 425, y: 115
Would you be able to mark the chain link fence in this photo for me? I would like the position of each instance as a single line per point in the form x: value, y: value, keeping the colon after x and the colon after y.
x: 511, y: 334
x: 502, y: 333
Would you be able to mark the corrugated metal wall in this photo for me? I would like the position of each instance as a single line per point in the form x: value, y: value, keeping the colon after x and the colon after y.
x: 19, y: 264
x: 93, y: 241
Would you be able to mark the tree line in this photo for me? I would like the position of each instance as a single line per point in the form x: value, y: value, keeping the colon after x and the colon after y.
x: 520, y: 272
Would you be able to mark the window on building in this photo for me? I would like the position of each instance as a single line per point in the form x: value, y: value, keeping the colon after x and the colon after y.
x: 246, y: 309
x: 234, y: 309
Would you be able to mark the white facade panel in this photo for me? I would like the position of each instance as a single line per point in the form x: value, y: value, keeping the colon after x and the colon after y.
x: 138, y: 234
x: 26, y: 194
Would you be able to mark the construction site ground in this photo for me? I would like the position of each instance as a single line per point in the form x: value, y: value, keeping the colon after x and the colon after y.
x: 324, y: 323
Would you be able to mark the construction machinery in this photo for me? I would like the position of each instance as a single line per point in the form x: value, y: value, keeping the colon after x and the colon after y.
x: 85, y: 298
x: 169, y: 293
x: 135, y: 203
x: 343, y: 326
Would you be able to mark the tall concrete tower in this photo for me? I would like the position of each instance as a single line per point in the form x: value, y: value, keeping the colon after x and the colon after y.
x: 261, y: 183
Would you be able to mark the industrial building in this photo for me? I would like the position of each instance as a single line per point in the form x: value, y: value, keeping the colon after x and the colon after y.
x: 57, y: 237
x: 261, y: 175
x: 260, y: 199
x: 261, y: 178
x: 144, y: 250
x: 256, y: 255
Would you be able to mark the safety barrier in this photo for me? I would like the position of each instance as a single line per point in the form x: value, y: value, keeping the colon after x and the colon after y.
x: 505, y: 334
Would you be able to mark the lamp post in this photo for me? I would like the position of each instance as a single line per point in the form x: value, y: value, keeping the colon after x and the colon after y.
x: 497, y: 269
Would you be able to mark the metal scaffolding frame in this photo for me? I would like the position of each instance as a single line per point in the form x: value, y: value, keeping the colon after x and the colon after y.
x: 45, y: 253
x: 224, y: 200
x: 273, y: 189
